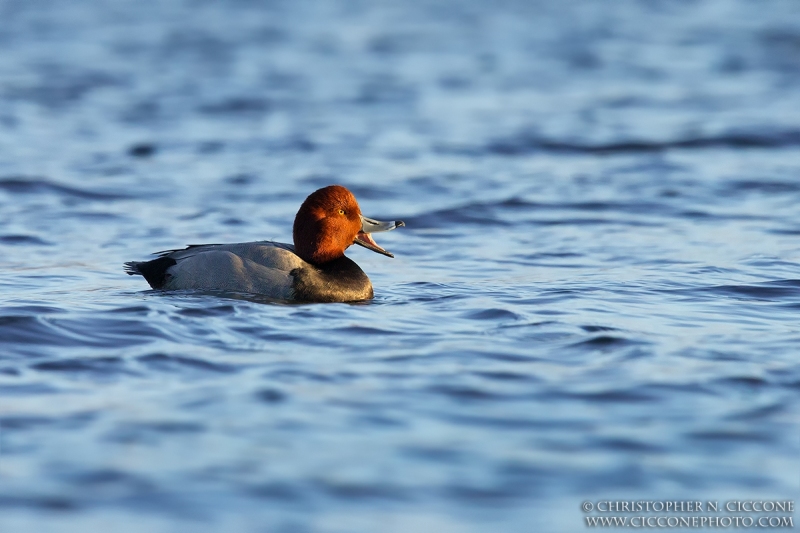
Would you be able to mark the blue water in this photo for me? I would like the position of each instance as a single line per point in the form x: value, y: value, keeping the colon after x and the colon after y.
x: 596, y: 295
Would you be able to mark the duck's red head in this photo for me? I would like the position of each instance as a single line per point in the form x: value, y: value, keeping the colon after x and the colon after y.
x: 329, y: 221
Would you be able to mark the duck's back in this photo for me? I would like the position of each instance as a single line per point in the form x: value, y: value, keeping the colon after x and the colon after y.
x: 267, y: 268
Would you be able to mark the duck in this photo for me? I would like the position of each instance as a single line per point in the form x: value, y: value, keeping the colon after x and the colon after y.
x: 313, y: 269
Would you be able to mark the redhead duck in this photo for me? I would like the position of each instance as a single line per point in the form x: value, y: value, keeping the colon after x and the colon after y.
x: 315, y: 269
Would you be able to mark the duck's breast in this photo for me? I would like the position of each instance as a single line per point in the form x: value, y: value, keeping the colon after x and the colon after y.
x: 340, y: 280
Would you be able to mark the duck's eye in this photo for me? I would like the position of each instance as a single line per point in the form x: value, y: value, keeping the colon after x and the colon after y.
x: 341, y: 211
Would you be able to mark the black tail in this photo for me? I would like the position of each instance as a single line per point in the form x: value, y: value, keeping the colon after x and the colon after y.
x: 155, y: 271
x: 132, y: 268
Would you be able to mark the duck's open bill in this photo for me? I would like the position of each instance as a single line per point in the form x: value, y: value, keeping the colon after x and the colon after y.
x: 368, y: 226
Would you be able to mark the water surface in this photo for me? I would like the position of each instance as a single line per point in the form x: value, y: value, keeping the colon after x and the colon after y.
x: 596, y: 294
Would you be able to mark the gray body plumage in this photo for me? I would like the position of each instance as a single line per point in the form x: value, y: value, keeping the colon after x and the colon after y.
x: 264, y: 267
